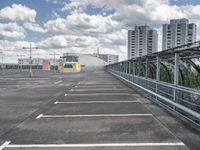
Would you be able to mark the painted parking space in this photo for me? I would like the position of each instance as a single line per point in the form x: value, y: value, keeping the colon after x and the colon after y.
x: 92, y: 130
x: 93, y: 117
x: 97, y: 108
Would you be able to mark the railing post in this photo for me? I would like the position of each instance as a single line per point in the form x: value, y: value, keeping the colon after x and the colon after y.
x: 129, y: 66
x: 133, y: 68
x: 157, y: 73
x: 139, y: 67
x: 146, y: 70
x: 176, y: 75
x: 133, y: 74
x: 125, y: 67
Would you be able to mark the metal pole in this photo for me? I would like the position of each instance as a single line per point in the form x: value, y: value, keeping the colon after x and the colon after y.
x: 54, y: 61
x: 133, y: 68
x: 30, y: 63
x: 176, y: 75
x: 21, y: 66
x: 2, y: 63
x: 146, y: 67
x: 2, y: 60
x: 31, y: 72
x: 157, y: 73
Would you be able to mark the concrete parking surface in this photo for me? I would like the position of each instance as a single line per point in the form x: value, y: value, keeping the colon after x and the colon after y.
x: 84, y: 111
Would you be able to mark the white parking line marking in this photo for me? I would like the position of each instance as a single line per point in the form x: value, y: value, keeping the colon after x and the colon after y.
x: 94, y: 102
x: 4, y: 145
x: 93, y: 115
x: 58, y: 82
x: 95, y: 94
x: 95, y: 145
x: 39, y: 116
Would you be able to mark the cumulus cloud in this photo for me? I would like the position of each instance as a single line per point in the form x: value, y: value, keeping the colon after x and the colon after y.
x: 67, y: 41
x: 96, y: 30
x: 34, y: 27
x: 11, y: 31
x: 105, y: 28
x: 18, y: 12
x: 82, y: 23
x: 12, y: 50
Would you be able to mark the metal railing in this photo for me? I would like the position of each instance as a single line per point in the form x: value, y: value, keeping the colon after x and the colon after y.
x: 183, y: 100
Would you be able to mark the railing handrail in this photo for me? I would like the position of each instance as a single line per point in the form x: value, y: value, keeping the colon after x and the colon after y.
x: 184, y: 108
x: 186, y: 89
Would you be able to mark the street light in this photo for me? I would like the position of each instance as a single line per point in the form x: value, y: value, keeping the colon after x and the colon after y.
x: 2, y: 60
x: 54, y: 60
x: 20, y: 62
x: 30, y: 63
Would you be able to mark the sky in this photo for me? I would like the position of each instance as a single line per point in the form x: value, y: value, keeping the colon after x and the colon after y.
x: 83, y: 26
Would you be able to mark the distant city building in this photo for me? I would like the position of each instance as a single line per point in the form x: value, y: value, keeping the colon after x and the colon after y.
x: 142, y: 41
x: 178, y: 32
x: 36, y: 61
x: 75, y: 62
x: 109, y: 58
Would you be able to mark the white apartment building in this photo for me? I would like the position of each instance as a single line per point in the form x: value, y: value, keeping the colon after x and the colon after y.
x: 142, y: 41
x: 109, y: 58
x: 178, y: 32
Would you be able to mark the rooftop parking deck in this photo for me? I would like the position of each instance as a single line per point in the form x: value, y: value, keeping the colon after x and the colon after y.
x: 87, y: 110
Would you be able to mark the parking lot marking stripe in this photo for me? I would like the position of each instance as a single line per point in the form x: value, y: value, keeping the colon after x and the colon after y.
x: 39, y: 116
x: 93, y: 115
x: 100, y: 89
x: 94, y: 102
x: 4, y: 145
x: 95, y: 94
x: 58, y: 82
x: 95, y: 145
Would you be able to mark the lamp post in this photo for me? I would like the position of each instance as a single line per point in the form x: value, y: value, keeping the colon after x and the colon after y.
x: 1, y: 60
x: 20, y: 62
x: 54, y: 60
x: 30, y: 63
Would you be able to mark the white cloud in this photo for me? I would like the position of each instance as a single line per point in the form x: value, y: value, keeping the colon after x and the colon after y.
x: 16, y: 46
x: 53, y: 42
x: 116, y: 38
x: 34, y: 27
x: 67, y: 41
x: 18, y: 12
x: 11, y: 31
x: 85, y: 33
x: 81, y: 23
x: 106, y: 28
x: 13, y: 49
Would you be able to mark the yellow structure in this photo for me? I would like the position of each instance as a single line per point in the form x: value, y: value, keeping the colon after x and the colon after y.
x: 69, y: 63
x: 75, y: 62
x: 69, y: 67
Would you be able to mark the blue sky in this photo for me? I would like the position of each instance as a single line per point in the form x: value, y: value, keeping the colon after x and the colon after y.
x: 83, y: 25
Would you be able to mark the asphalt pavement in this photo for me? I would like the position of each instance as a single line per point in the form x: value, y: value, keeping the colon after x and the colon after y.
x: 84, y: 111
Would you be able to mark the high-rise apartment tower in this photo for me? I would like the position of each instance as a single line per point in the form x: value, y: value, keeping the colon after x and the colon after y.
x: 178, y: 32
x: 142, y: 41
